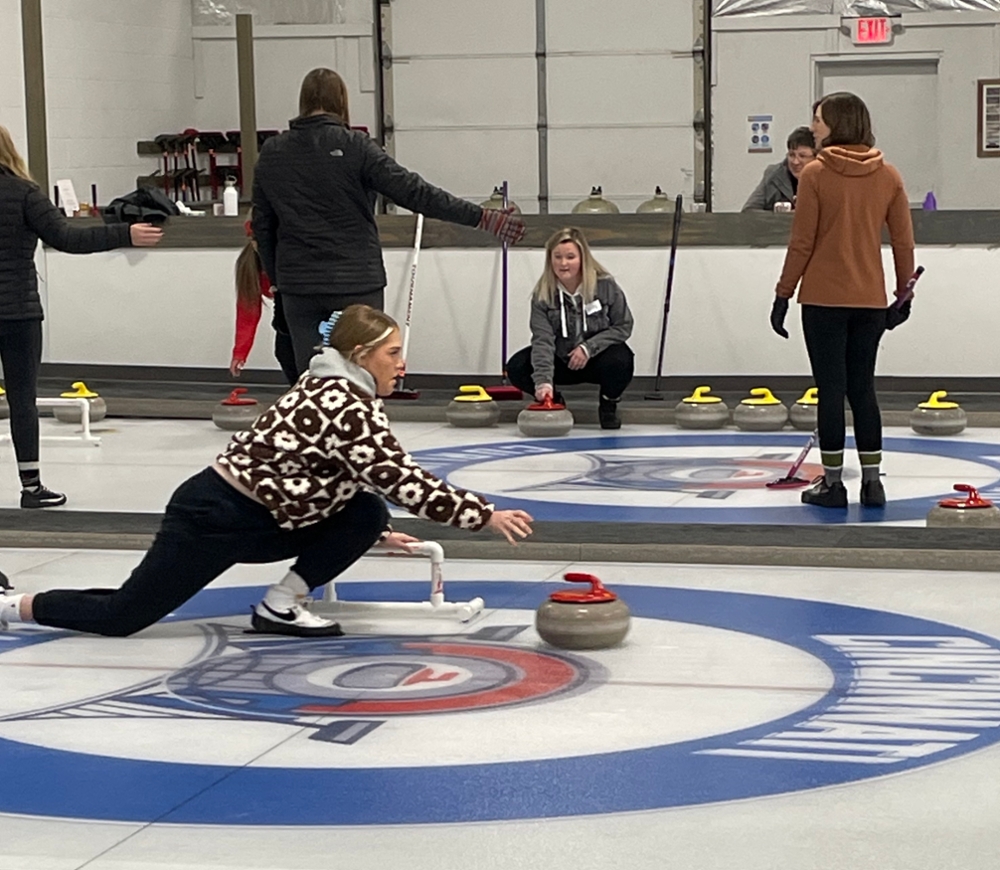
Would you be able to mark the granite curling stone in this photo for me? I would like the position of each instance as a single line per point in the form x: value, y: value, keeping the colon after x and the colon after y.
x: 72, y: 413
x: 545, y: 420
x: 659, y: 204
x: 971, y: 512
x: 595, y: 204
x: 472, y: 408
x: 762, y: 411
x: 591, y: 619
x: 938, y: 417
x: 4, y: 407
x: 804, y: 414
x: 701, y: 411
x: 237, y: 412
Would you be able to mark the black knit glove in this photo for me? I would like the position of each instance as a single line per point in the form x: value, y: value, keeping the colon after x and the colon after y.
x: 897, y: 314
x: 778, y: 311
x: 505, y: 225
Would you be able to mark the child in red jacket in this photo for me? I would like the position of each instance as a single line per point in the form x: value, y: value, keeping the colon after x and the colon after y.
x: 252, y: 287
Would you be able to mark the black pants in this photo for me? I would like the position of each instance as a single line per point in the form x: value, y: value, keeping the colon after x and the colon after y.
x: 208, y: 527
x: 21, y: 355
x: 612, y: 369
x: 284, y: 353
x: 842, y: 345
x: 304, y: 312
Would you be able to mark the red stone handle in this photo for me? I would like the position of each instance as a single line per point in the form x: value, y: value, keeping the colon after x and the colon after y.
x: 235, y: 398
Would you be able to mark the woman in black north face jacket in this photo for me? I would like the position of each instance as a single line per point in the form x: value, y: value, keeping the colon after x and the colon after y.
x: 26, y: 215
x: 313, y: 211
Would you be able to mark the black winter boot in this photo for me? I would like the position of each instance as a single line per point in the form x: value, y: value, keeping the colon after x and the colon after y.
x: 607, y: 413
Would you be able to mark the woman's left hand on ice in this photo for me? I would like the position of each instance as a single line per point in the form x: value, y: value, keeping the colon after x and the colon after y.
x: 578, y: 359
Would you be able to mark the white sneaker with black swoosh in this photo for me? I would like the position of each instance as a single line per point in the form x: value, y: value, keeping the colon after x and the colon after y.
x: 294, y: 620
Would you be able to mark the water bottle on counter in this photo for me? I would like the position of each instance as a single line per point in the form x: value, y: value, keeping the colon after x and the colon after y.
x: 230, y: 199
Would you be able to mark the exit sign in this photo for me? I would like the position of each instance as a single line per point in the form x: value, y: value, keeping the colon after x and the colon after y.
x: 871, y: 31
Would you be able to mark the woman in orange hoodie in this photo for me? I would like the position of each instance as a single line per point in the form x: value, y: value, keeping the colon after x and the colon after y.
x: 845, y: 198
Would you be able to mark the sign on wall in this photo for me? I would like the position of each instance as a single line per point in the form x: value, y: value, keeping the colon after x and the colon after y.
x: 760, y: 134
x: 988, y: 125
x: 871, y: 31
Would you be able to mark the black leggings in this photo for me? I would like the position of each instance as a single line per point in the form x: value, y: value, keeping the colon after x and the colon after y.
x: 208, y: 527
x: 842, y: 345
x: 21, y: 356
x: 304, y: 312
x: 284, y: 353
x: 612, y: 369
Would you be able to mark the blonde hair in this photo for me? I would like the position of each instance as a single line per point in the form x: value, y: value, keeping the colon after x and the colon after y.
x: 547, y: 288
x: 9, y: 156
x: 323, y: 90
x: 359, y: 330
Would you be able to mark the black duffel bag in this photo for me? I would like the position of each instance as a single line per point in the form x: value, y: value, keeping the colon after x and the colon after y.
x: 144, y: 205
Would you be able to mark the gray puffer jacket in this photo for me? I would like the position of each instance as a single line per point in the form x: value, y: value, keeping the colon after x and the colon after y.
x: 26, y: 215
x: 557, y: 329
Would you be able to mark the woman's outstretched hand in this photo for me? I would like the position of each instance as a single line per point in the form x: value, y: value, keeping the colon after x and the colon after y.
x: 504, y: 224
x: 511, y: 524
x: 145, y: 235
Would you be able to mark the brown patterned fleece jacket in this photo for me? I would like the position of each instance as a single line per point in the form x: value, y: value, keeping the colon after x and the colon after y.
x: 327, y: 438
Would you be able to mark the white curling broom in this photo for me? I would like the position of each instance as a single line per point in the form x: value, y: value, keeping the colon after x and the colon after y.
x: 401, y: 392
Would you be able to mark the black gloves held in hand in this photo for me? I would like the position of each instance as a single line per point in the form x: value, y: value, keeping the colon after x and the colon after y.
x: 778, y: 312
x: 896, y: 315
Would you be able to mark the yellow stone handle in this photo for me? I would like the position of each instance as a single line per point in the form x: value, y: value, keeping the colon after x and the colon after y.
x: 80, y: 391
x: 935, y: 401
x: 3, y: 392
x: 701, y: 396
x: 809, y: 397
x: 761, y: 396
x: 473, y: 393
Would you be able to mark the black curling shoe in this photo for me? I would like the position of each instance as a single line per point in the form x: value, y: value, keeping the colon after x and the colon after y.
x: 607, y: 413
x: 41, y: 498
x: 826, y: 495
x: 873, y: 493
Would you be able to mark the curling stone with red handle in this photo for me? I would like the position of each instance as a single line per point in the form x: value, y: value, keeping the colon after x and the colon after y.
x: 546, y: 419
x: 595, y: 618
x: 237, y: 412
x: 971, y: 512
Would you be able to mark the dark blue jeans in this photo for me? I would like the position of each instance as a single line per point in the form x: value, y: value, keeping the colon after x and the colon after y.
x: 208, y: 527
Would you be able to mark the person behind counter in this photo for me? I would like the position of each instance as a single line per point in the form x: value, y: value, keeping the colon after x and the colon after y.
x: 781, y: 181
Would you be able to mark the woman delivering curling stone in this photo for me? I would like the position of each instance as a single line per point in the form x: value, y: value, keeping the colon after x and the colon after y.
x: 306, y: 481
x: 845, y: 198
x: 580, y: 321
x: 27, y: 215
x: 314, y: 221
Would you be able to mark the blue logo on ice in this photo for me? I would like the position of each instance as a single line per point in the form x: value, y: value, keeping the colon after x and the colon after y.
x: 677, y: 478
x: 906, y: 692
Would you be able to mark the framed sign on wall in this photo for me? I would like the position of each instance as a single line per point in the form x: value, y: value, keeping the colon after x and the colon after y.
x: 988, y: 124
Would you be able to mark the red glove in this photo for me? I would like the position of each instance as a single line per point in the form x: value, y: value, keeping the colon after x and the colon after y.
x: 504, y: 224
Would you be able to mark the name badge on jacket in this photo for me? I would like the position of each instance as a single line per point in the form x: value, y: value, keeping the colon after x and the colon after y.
x: 593, y: 307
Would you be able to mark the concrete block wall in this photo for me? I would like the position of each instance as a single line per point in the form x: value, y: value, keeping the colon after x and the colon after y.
x: 116, y: 72
x: 12, y: 73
